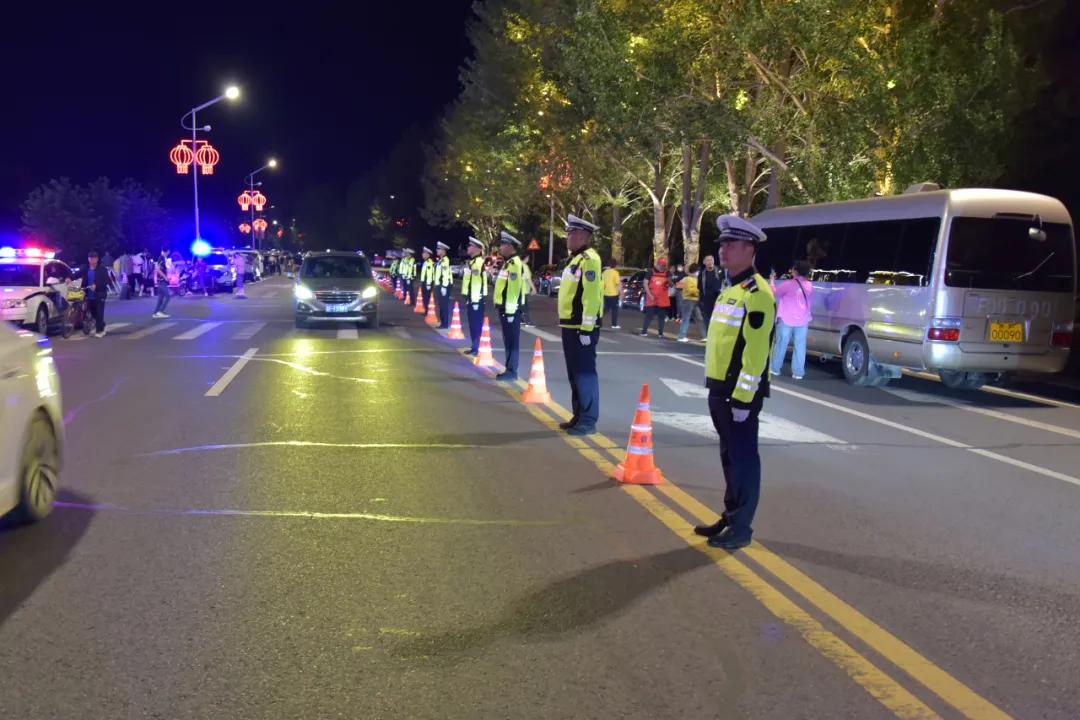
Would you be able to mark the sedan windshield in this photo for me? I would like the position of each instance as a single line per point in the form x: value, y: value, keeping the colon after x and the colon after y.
x: 336, y: 268
x: 17, y: 275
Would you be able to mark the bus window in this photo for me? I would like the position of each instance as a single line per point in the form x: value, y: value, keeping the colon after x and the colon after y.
x: 821, y: 245
x: 870, y: 250
x: 1004, y: 254
x: 916, y: 256
x: 778, y: 251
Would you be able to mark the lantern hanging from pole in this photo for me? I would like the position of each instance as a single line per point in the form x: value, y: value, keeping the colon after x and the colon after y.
x: 260, y: 228
x: 245, y: 200
x: 280, y: 232
x: 245, y: 228
x: 258, y: 200
x: 182, y: 157
x: 207, y: 157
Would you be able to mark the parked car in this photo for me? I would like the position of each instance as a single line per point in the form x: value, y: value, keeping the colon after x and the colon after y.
x: 31, y: 446
x: 634, y: 296
x: 221, y: 273
x: 555, y: 279
x: 27, y: 295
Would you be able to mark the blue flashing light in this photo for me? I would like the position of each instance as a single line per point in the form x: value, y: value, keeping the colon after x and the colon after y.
x: 7, y: 252
x: 201, y: 248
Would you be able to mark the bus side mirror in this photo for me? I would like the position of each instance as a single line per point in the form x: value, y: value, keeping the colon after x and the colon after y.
x: 1037, y: 234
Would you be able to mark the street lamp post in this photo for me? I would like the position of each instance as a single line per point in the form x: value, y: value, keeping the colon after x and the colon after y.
x: 551, y: 232
x: 231, y: 93
x: 272, y: 163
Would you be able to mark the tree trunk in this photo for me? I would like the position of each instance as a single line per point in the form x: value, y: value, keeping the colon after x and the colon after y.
x: 692, y: 213
x: 749, y: 173
x: 659, y: 192
x: 616, y: 234
x: 732, y: 186
x: 687, y: 209
x: 773, y: 198
x: 669, y: 240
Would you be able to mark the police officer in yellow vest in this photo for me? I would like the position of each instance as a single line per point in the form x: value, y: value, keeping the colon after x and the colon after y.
x: 737, y: 375
x: 510, y: 300
x: 444, y: 279
x: 474, y: 288
x: 427, y: 276
x: 408, y: 275
x: 580, y: 303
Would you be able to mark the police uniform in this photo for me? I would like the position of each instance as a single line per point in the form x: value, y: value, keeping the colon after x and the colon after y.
x: 444, y: 279
x: 509, y: 299
x: 427, y: 277
x: 526, y: 273
x: 394, y: 273
x: 736, y: 373
x: 408, y: 276
x: 474, y: 289
x: 580, y: 302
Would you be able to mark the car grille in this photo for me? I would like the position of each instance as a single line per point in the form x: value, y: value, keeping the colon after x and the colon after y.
x: 336, y: 297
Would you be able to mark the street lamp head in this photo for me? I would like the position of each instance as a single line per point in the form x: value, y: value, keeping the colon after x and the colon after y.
x: 206, y: 128
x: 272, y: 163
x: 232, y: 92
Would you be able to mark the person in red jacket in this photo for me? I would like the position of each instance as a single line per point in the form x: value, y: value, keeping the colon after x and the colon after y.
x: 657, y: 300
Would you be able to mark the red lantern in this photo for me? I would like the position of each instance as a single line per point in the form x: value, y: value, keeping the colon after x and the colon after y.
x: 281, y: 232
x: 245, y: 200
x: 182, y: 157
x: 207, y: 157
x: 245, y: 228
x: 258, y: 200
x: 260, y: 227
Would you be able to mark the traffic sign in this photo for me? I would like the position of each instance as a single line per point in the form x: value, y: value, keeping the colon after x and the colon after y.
x: 533, y: 245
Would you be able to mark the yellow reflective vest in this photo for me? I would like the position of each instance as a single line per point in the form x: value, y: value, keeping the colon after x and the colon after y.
x: 740, y: 339
x: 444, y: 276
x: 427, y: 272
x: 510, y: 286
x: 581, y: 292
x: 394, y: 267
x: 474, y: 280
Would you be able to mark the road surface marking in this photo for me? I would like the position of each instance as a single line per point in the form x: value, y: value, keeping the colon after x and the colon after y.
x: 401, y: 332
x: 895, y: 650
x: 310, y: 515
x: 348, y: 333
x: 139, y: 334
x: 115, y: 326
x: 772, y: 427
x: 231, y: 373
x: 309, y: 370
x: 920, y: 397
x: 197, y: 331
x: 249, y: 331
x: 316, y: 444
x: 685, y: 389
x: 542, y: 334
x: 881, y: 687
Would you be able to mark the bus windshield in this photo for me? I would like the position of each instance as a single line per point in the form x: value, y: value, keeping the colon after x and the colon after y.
x: 1002, y: 254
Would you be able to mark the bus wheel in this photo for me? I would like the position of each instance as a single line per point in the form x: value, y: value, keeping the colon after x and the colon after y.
x: 961, y: 380
x: 856, y: 360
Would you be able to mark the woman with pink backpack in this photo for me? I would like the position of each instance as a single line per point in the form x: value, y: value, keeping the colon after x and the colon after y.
x: 792, y: 319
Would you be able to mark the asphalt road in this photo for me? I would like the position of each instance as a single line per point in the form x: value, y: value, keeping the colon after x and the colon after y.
x: 265, y: 522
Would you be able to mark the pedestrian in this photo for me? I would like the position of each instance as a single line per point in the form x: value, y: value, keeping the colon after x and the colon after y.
x: 240, y: 268
x: 138, y: 263
x: 202, y: 275
x: 444, y: 280
x: 673, y: 293
x: 581, y: 295
x: 509, y: 298
x: 96, y: 284
x: 148, y: 274
x: 657, y: 299
x: 474, y: 289
x: 736, y: 359
x: 427, y: 277
x: 613, y: 292
x: 710, y: 282
x: 408, y: 275
x: 688, y: 298
x: 793, y: 319
x: 161, y: 286
x: 526, y: 273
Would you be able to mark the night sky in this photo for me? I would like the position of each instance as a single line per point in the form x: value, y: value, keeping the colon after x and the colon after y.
x: 325, y: 90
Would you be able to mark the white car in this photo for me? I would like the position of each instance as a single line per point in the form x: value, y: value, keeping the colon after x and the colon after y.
x: 27, y: 295
x: 31, y: 415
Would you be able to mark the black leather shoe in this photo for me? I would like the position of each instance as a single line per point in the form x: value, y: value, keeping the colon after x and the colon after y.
x: 470, y: 352
x: 568, y: 424
x: 729, y: 540
x: 506, y: 377
x: 710, y: 530
x: 581, y: 430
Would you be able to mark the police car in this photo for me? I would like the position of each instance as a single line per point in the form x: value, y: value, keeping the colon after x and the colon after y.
x: 31, y: 414
x: 27, y: 295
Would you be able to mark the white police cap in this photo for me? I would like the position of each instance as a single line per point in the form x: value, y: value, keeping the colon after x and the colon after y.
x: 442, y: 246
x: 573, y: 222
x: 507, y: 238
x: 733, y: 227
x: 477, y: 243
x: 427, y: 250
x: 409, y: 251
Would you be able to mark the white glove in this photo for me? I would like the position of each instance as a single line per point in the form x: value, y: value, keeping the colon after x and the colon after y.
x: 510, y: 317
x: 476, y: 307
x: 586, y: 340
x: 442, y: 291
x: 739, y: 414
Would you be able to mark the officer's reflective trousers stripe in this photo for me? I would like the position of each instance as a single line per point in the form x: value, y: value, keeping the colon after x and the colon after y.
x: 511, y: 330
x: 475, y: 311
x: 581, y: 371
x: 741, y: 463
x: 442, y: 294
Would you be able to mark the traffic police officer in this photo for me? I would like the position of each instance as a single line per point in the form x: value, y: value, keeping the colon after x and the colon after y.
x: 509, y: 299
x: 427, y: 276
x: 444, y: 278
x: 474, y: 288
x: 736, y: 373
x: 394, y: 269
x: 580, y: 303
x: 408, y: 275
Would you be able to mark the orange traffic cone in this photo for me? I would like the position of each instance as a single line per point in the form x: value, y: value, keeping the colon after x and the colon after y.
x: 455, y: 325
x: 419, y: 307
x: 431, y: 319
x: 638, y: 468
x: 397, y: 288
x: 537, y: 391
x: 405, y: 296
x: 484, y: 358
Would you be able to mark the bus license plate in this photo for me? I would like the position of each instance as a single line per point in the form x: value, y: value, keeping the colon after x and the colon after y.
x: 1006, y: 332
x: 337, y: 308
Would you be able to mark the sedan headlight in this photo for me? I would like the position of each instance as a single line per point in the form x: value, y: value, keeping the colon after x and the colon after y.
x: 10, y: 304
x: 369, y: 292
x: 303, y: 293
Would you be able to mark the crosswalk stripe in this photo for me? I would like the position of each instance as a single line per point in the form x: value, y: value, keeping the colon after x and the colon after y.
x: 197, y: 331
x: 149, y: 331
x: 348, y: 333
x: 542, y: 334
x: 248, y: 331
x: 115, y: 326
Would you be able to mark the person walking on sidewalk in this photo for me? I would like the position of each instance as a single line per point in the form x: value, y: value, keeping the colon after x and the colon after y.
x: 444, y: 280
x: 689, y: 310
x: 657, y: 298
x: 509, y: 297
x: 736, y: 373
x: 474, y: 289
x: 161, y: 286
x: 96, y: 285
x: 613, y: 293
x: 580, y: 305
x: 710, y: 282
x: 793, y: 319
